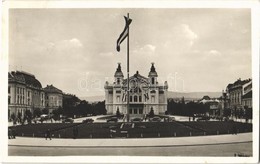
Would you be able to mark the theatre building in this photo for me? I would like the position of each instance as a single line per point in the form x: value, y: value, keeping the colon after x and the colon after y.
x: 145, y: 94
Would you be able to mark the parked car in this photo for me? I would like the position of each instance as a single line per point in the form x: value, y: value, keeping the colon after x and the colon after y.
x: 137, y: 119
x: 69, y: 120
x: 203, y: 118
x: 112, y: 119
x: 88, y: 120
x: 155, y: 119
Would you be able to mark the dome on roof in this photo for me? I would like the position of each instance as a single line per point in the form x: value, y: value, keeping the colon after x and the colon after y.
x: 152, y: 72
x: 119, y: 72
x: 26, y: 78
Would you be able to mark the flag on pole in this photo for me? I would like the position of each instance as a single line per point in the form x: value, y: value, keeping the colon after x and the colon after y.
x: 146, y: 96
x: 124, y: 34
x: 124, y: 97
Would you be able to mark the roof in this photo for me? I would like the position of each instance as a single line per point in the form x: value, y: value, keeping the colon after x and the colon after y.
x: 247, y: 95
x: 25, y: 78
x: 52, y: 89
x: 138, y: 77
x: 238, y: 83
x: 206, y: 97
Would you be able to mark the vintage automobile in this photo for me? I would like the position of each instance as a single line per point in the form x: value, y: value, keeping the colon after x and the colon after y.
x: 137, y: 119
x: 88, y: 120
x: 112, y: 119
x: 67, y: 120
x: 155, y: 119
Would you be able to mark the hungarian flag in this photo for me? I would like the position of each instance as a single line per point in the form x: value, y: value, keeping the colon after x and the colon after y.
x: 124, y: 97
x: 146, y: 96
x: 124, y: 34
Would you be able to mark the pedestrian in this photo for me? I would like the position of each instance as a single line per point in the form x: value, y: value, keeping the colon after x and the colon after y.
x: 234, y: 130
x: 10, y: 133
x: 75, y: 132
x: 13, y: 133
x: 48, y: 134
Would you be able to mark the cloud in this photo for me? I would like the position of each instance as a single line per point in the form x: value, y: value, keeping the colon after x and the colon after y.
x: 106, y: 54
x: 75, y: 42
x: 64, y: 45
x: 67, y: 44
x: 214, y: 52
x: 188, y: 33
x: 147, y: 49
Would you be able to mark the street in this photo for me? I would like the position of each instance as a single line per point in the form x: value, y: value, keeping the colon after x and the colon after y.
x: 205, y: 150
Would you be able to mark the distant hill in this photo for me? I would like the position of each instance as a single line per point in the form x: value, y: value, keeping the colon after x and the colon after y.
x: 93, y: 98
x: 193, y: 95
x: 187, y: 95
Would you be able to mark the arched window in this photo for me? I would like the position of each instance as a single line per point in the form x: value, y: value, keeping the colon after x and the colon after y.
x: 140, y: 98
x: 135, y: 98
x: 152, y: 80
x: 131, y: 99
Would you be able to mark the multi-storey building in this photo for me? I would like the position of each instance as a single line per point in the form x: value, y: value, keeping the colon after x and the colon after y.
x: 238, y: 94
x: 145, y: 94
x: 53, y: 97
x: 25, y: 92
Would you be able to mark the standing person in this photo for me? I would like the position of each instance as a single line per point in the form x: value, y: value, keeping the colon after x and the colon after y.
x: 75, y: 132
x: 13, y: 133
x: 48, y: 134
x: 234, y: 129
x: 10, y: 133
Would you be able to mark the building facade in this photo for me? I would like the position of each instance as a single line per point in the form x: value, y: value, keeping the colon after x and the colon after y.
x: 239, y: 95
x: 145, y: 94
x: 53, y: 98
x: 25, y: 92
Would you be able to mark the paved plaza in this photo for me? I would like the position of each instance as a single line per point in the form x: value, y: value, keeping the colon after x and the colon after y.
x: 223, y: 145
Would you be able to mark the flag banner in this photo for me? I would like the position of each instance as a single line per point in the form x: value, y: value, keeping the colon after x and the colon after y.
x: 146, y: 96
x: 124, y: 34
x: 124, y: 97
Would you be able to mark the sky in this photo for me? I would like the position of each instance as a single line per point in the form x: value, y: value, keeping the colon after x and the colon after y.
x: 75, y: 49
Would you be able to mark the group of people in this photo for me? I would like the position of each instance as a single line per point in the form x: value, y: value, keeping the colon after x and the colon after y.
x: 48, y: 134
x: 11, y: 133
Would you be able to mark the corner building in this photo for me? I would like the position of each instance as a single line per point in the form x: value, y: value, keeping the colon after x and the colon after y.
x: 145, y: 94
x: 25, y: 92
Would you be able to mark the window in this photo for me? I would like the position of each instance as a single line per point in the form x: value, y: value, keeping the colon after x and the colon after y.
x: 118, y: 81
x: 153, y: 91
x: 131, y: 99
x: 152, y: 80
x: 118, y: 91
x: 130, y: 111
x: 135, y: 98
x: 118, y: 99
x: 140, y: 98
x: 141, y: 111
x: 9, y: 100
x: 9, y: 89
x: 135, y: 111
x: 153, y: 99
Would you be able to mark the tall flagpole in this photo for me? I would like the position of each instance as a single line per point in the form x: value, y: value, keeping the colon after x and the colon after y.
x: 127, y: 115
